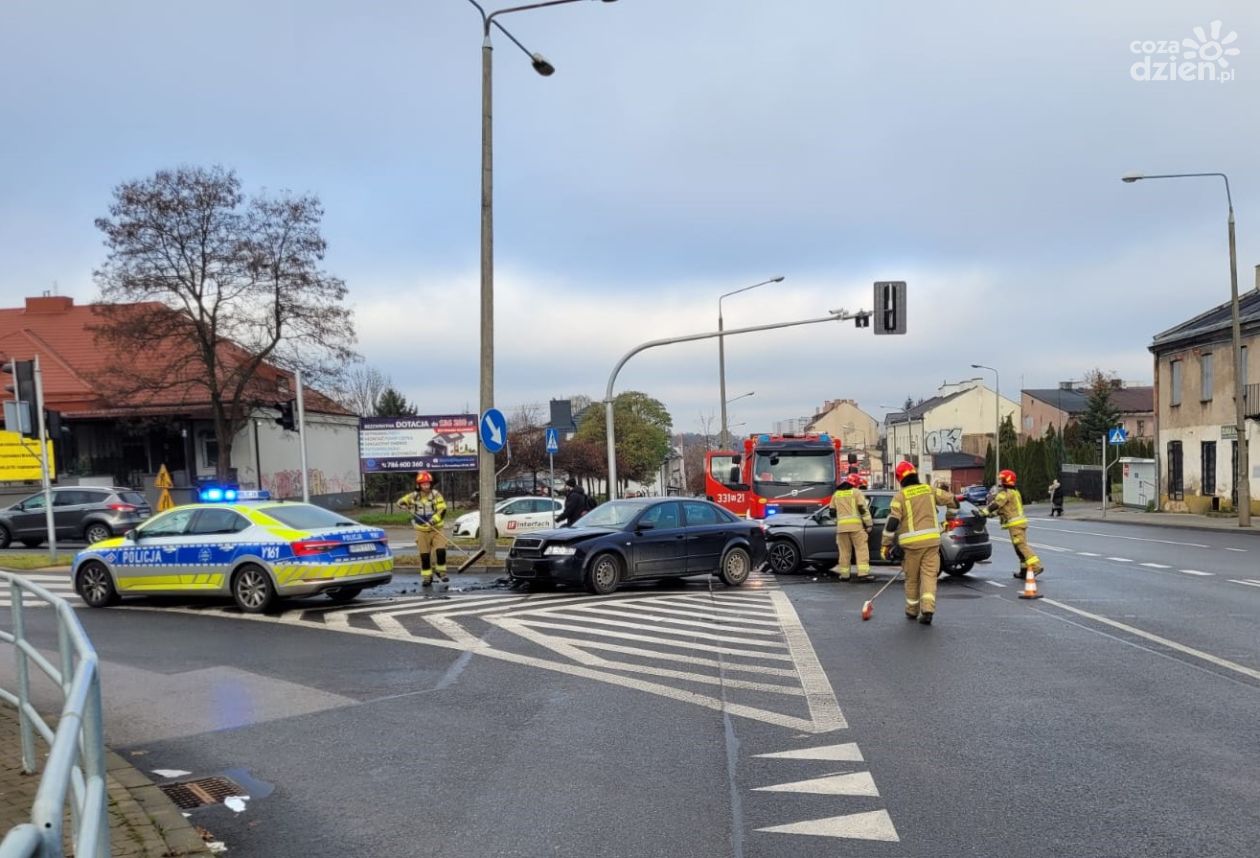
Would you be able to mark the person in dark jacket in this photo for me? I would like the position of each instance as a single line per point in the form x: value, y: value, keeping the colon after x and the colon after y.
x: 1056, y: 499
x: 575, y: 503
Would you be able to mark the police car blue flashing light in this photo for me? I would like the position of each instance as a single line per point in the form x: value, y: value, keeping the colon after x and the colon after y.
x: 825, y: 438
x: 231, y: 494
x: 772, y: 510
x: 764, y: 439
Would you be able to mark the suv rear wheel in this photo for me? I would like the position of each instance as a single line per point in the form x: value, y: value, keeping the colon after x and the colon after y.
x: 96, y: 532
x: 961, y: 568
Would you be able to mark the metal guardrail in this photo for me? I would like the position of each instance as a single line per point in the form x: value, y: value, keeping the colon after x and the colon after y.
x: 74, y: 773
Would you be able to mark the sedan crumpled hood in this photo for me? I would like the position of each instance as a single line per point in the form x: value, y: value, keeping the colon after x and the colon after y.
x: 571, y: 534
x: 787, y: 520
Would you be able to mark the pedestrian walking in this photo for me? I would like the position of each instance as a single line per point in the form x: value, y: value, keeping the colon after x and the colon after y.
x: 912, y: 524
x: 853, y: 525
x: 576, y: 503
x: 428, y: 508
x: 1008, y: 506
x: 1056, y: 499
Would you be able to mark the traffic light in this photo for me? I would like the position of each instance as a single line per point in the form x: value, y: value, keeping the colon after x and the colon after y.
x: 862, y: 320
x: 890, y: 307
x: 285, y: 419
x: 23, y: 391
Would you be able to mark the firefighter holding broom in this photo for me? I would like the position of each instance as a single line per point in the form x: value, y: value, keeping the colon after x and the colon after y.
x: 912, y: 523
x: 428, y: 508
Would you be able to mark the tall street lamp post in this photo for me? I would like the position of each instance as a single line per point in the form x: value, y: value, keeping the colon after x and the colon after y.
x: 997, y: 426
x: 485, y: 459
x: 1242, y: 472
x: 724, y: 438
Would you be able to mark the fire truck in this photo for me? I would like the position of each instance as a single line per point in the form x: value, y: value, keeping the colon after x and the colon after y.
x: 771, y: 474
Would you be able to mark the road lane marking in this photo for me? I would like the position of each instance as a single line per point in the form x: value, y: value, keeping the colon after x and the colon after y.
x: 1120, y: 559
x: 847, y: 752
x: 1048, y: 547
x: 855, y: 783
x: 687, y: 635
x: 1135, y: 538
x: 656, y: 622
x: 1156, y: 566
x: 994, y: 584
x: 874, y: 825
x: 585, y: 644
x: 824, y: 709
x: 1245, y: 583
x: 1196, y: 572
x: 681, y: 644
x: 1088, y: 554
x: 1239, y: 550
x: 1182, y: 648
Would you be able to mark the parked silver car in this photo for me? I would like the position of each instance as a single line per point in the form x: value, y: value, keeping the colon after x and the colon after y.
x: 90, y: 513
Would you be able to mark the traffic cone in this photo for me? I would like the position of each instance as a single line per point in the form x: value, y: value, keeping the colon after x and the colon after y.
x: 1030, y: 586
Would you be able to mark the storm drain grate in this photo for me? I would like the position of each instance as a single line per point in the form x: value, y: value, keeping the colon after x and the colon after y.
x: 201, y: 792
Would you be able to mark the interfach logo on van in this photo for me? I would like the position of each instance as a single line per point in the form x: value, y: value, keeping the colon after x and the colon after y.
x: 1206, y: 56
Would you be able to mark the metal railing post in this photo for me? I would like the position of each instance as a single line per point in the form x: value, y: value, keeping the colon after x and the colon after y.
x: 30, y: 764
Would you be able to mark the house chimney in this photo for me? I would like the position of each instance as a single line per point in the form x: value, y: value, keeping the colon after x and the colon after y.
x: 49, y: 304
x: 1258, y: 278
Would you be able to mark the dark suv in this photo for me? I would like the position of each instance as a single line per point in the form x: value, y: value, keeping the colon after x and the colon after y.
x: 90, y: 513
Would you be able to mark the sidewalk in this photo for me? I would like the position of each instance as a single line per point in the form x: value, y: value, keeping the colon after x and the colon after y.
x: 1124, y: 515
x: 143, y: 822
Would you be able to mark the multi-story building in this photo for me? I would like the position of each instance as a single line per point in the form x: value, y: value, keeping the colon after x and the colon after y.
x: 1061, y: 405
x: 857, y: 431
x: 960, y: 418
x: 1197, y: 436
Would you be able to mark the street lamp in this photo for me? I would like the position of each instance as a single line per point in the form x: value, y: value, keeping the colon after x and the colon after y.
x: 485, y: 459
x: 997, y: 424
x: 724, y: 437
x: 741, y: 396
x: 1242, y: 471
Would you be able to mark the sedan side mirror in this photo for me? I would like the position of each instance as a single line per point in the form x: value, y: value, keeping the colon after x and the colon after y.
x: 644, y: 525
x: 131, y: 535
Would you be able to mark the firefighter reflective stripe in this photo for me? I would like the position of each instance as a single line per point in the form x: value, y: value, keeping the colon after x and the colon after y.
x: 919, y: 511
x: 845, y: 504
x: 1011, y: 508
x: 431, y: 506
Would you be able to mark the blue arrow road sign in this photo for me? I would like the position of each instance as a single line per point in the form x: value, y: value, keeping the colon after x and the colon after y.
x: 553, y: 441
x: 493, y: 430
x: 1117, y: 436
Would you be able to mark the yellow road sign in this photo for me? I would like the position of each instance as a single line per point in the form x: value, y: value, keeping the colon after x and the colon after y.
x: 164, y: 480
x: 19, y: 458
x: 164, y: 501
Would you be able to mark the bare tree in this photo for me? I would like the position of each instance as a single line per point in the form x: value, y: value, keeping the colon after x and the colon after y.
x: 208, y: 299
x: 361, y: 388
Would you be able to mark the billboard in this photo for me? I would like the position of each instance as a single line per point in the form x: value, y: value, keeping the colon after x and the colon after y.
x: 435, y: 442
x: 19, y: 458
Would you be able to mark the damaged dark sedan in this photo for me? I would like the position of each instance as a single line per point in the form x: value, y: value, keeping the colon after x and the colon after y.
x: 642, y: 539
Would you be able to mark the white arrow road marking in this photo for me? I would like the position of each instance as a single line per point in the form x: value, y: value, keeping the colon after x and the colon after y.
x: 857, y: 783
x: 875, y: 825
x: 1196, y: 572
x: 846, y: 753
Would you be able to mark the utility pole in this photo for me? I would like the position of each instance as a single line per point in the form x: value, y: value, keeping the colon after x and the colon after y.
x: 301, y: 421
x: 44, y: 476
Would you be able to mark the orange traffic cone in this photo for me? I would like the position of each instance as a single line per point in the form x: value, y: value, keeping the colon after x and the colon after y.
x: 1030, y: 586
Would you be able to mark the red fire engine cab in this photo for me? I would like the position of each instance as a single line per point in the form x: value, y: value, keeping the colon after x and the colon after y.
x: 771, y: 474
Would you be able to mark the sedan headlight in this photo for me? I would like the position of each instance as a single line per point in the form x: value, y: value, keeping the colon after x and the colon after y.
x: 560, y: 550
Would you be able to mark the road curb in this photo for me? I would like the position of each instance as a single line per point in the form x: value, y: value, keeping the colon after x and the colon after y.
x: 1197, y: 528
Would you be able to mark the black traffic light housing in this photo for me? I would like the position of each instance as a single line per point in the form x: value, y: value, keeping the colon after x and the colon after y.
x: 890, y: 307
x: 286, y: 419
x: 23, y: 391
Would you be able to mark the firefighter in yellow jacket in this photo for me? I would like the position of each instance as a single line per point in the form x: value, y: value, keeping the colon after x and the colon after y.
x: 853, y: 523
x: 428, y: 508
x: 912, y: 523
x: 1008, y: 505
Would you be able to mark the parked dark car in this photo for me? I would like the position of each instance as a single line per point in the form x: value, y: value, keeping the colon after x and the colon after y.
x: 796, y: 540
x: 642, y: 539
x: 90, y: 513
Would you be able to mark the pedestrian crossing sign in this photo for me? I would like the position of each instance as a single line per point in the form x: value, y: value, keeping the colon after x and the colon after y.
x: 1117, y: 436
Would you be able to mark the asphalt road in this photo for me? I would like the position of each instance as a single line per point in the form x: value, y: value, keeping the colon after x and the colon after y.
x: 1114, y: 717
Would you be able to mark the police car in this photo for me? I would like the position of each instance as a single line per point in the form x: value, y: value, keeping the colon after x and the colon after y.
x: 255, y: 550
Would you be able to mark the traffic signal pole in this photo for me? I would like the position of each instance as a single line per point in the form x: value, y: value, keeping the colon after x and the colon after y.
x: 45, y: 477
x: 301, y: 425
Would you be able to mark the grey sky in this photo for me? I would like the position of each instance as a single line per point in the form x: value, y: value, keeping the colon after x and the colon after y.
x: 682, y: 149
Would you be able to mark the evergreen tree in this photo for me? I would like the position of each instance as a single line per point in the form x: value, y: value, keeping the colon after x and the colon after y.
x: 990, y: 473
x: 391, y: 403
x: 1100, y: 413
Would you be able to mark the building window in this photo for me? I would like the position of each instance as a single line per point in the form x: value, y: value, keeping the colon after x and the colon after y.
x: 1141, y: 432
x: 1207, y: 465
x: 1174, y: 391
x: 1205, y: 376
x: 209, y: 452
x: 1243, y: 366
x: 1175, y: 489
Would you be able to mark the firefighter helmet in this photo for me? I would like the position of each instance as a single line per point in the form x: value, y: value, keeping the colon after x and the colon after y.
x: 854, y: 479
x: 904, y: 469
x: 1006, y: 477
x: 424, y: 477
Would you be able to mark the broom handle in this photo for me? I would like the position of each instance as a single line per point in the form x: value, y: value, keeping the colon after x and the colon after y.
x: 887, y: 585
